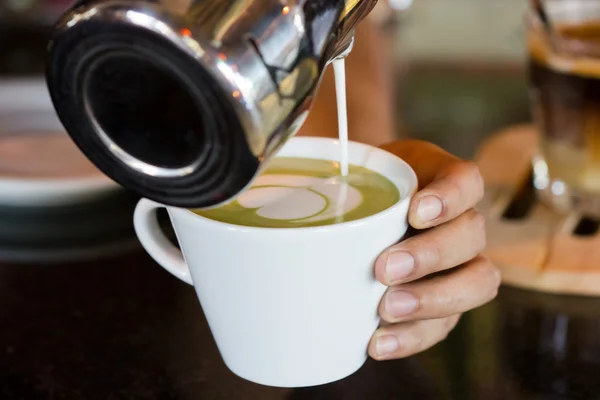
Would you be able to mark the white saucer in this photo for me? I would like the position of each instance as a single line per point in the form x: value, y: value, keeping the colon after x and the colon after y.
x: 26, y: 108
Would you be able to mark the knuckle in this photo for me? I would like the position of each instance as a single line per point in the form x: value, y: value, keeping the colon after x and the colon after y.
x: 493, y: 278
x: 449, y: 323
x: 448, y: 326
x: 492, y: 295
x: 432, y: 258
x: 444, y: 335
x: 467, y: 167
x: 447, y: 302
x: 417, y: 341
x: 496, y: 276
x: 452, y: 322
x: 471, y: 170
x: 415, y: 338
x: 498, y: 281
x: 478, y: 220
x: 477, y: 224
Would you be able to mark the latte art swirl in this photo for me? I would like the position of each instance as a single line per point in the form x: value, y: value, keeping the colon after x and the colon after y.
x: 300, y: 198
x: 299, y: 192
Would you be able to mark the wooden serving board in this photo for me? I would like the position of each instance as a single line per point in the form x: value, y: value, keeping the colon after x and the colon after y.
x: 535, y: 247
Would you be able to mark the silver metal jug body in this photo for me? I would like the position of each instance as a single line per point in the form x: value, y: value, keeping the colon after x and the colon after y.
x: 184, y: 101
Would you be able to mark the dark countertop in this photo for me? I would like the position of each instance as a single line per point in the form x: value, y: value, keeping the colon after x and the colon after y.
x: 123, y: 328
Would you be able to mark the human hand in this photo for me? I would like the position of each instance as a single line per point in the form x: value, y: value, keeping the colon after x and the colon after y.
x: 439, y: 273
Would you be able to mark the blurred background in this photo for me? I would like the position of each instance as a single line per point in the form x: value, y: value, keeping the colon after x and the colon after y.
x: 461, y: 68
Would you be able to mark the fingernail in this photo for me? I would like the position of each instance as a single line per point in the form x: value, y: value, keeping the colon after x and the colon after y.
x: 399, y: 265
x: 430, y: 208
x: 386, y: 344
x: 399, y: 303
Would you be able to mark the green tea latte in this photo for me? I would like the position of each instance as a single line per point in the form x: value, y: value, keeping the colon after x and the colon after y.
x: 300, y: 192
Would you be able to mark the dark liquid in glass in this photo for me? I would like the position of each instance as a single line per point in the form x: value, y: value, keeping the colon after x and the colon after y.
x: 565, y: 90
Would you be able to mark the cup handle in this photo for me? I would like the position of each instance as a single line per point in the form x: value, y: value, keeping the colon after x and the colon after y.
x: 156, y: 243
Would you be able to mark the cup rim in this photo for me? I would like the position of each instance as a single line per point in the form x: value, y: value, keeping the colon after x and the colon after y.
x: 413, y: 186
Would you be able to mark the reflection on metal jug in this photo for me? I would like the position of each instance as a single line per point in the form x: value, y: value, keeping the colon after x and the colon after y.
x: 183, y: 101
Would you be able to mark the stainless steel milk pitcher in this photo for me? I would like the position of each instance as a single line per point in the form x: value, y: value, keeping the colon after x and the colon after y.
x: 183, y: 101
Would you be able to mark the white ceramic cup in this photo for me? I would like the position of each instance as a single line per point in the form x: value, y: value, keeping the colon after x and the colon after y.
x: 288, y: 307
